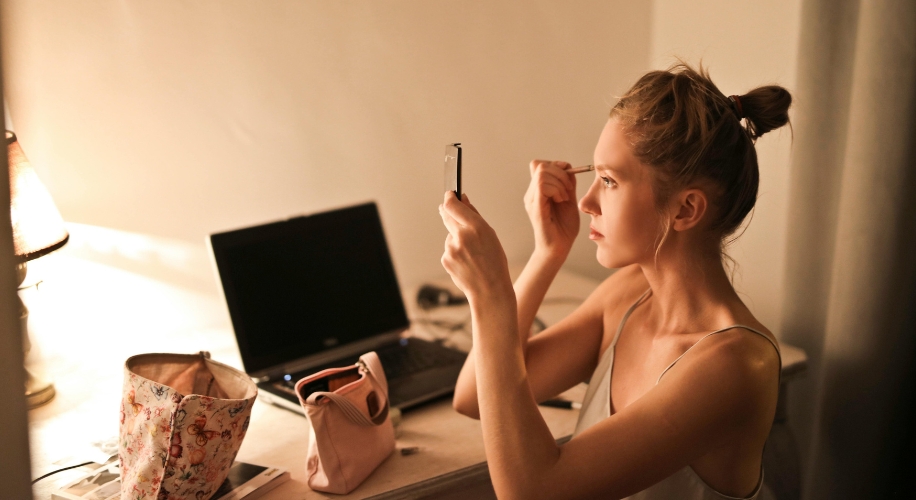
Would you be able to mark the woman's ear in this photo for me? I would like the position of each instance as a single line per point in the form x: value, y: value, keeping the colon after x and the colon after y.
x: 689, y: 207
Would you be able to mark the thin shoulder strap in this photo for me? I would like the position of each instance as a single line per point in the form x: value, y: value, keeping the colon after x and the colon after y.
x: 778, y: 354
x: 626, y: 316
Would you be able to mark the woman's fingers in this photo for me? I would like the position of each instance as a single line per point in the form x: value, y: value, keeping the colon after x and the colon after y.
x: 560, y: 174
x: 546, y: 187
x: 450, y: 223
x: 555, y: 190
x: 571, y: 187
x: 467, y: 201
x: 472, y: 254
x: 536, y: 164
x: 553, y: 169
x: 460, y: 211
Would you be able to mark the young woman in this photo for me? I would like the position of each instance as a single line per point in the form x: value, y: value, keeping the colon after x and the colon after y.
x: 683, y: 378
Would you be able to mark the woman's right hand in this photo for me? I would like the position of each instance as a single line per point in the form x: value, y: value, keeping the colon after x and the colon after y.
x: 552, y: 207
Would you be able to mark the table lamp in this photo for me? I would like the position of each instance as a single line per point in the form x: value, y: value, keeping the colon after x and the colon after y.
x: 38, y: 229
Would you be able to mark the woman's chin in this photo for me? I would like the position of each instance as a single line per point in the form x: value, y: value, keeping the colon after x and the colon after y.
x: 606, y: 259
x: 609, y: 260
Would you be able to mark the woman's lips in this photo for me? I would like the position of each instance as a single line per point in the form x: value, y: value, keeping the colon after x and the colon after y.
x: 594, y: 235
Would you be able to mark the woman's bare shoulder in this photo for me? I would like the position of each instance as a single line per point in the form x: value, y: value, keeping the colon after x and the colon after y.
x: 744, y: 366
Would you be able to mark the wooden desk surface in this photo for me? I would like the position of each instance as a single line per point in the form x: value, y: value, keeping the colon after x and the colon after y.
x: 92, y: 317
x: 447, y: 442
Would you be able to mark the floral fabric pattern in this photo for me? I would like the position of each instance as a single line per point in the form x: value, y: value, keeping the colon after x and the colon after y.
x: 174, y: 446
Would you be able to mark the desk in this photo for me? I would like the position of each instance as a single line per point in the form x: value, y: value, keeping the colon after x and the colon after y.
x: 97, y: 316
x: 451, y: 450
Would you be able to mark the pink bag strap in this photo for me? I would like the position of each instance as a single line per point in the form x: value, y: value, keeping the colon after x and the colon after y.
x: 371, y: 365
x: 374, y: 366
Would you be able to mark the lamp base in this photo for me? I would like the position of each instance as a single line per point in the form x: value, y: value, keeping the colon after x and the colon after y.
x: 39, y: 389
x: 38, y: 396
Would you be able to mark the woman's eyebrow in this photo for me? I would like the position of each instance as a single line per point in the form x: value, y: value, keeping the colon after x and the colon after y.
x: 608, y: 168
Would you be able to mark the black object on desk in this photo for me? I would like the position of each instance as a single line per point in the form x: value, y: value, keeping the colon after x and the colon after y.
x: 561, y: 403
x: 430, y: 296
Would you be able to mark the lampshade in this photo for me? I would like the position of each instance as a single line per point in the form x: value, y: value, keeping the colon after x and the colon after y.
x: 38, y: 228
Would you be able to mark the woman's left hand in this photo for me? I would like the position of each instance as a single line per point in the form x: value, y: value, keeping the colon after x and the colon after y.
x: 473, y: 256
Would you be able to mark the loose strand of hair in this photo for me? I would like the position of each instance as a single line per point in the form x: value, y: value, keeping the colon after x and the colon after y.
x: 658, y: 247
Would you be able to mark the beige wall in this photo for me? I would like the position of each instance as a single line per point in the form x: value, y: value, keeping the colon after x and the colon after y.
x: 744, y: 45
x: 177, y: 119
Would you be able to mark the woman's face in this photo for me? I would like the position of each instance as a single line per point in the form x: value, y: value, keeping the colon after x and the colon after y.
x: 620, y: 201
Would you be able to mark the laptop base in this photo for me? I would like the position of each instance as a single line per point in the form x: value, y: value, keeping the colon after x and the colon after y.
x: 420, y: 371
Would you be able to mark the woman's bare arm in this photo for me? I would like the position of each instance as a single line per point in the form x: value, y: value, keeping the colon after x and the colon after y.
x: 561, y: 354
x: 551, y: 205
x: 566, y: 353
x: 530, y: 289
x: 724, y: 389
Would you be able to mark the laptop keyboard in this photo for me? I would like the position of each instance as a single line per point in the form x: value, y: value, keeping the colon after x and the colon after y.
x: 415, y: 357
x: 402, y: 360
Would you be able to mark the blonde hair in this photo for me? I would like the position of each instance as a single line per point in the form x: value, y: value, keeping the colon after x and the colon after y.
x: 686, y: 130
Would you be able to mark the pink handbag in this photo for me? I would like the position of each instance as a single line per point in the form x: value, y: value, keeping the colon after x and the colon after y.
x: 351, y: 433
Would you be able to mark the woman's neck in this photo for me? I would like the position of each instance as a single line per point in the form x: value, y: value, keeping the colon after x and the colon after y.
x: 690, y: 290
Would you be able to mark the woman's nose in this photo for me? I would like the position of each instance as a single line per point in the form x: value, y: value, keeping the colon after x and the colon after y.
x: 587, y: 203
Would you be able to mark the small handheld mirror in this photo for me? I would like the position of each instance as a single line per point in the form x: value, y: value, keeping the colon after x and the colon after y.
x: 453, y: 168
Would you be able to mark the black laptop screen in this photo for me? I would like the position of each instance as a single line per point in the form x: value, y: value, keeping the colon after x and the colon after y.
x: 304, y: 285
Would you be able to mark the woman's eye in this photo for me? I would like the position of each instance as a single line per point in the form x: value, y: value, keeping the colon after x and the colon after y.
x: 608, y: 182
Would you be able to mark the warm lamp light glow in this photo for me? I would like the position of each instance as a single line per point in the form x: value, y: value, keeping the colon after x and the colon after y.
x: 38, y: 228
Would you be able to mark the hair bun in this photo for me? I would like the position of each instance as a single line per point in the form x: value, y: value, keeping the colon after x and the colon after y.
x: 765, y: 108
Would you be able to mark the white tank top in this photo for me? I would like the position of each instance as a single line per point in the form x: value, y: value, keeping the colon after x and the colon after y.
x: 684, y: 484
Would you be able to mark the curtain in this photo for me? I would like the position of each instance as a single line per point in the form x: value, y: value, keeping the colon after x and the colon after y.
x: 850, y: 298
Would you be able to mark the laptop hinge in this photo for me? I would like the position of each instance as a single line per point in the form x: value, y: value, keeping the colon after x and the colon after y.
x: 271, y: 375
x: 329, y: 356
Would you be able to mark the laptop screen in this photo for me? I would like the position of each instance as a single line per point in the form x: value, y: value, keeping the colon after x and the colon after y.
x: 301, y: 286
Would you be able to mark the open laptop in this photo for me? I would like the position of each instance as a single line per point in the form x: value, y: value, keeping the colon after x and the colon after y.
x: 318, y: 291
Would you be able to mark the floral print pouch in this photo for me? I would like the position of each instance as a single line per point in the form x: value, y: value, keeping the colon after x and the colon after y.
x: 183, y: 418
